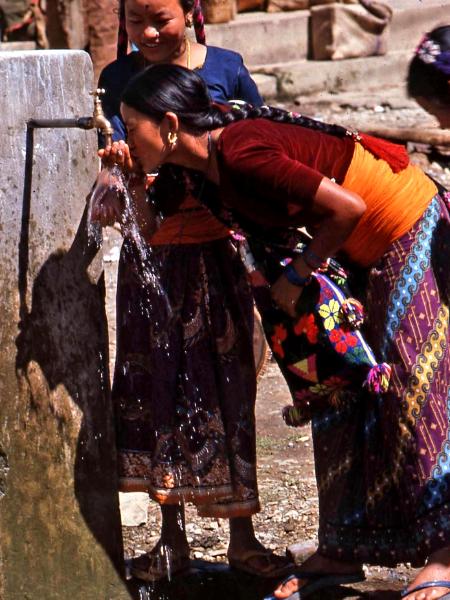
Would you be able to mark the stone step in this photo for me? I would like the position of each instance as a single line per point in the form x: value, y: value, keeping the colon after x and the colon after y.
x: 306, y: 77
x: 264, y: 38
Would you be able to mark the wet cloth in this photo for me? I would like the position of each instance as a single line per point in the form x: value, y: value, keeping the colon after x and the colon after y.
x: 184, y: 383
x: 184, y: 387
x: 382, y: 462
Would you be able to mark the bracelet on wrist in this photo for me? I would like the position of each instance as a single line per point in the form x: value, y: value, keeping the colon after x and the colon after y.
x: 293, y: 277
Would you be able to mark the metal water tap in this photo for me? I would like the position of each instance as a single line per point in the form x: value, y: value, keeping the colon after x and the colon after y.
x: 99, y: 121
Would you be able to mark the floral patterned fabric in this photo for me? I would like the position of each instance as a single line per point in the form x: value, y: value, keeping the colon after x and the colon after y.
x: 185, y: 384
x: 321, y: 353
x: 383, y: 461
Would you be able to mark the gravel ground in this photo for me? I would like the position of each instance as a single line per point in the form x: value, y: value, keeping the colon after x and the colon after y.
x: 285, y: 462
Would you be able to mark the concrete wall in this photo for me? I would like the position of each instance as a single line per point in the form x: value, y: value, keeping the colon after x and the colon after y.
x: 59, y: 518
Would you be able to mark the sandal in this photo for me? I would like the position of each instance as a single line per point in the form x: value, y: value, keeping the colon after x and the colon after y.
x: 319, y: 581
x: 428, y: 584
x: 262, y: 563
x: 153, y: 567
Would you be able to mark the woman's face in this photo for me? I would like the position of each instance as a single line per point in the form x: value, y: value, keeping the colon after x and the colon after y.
x: 145, y: 141
x: 156, y: 27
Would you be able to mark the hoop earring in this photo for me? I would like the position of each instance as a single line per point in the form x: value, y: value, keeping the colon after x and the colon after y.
x: 172, y: 138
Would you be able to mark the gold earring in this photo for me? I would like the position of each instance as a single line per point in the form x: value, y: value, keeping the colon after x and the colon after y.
x: 172, y: 138
x: 189, y: 22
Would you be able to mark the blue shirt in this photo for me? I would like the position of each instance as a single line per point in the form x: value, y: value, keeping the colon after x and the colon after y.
x: 223, y: 72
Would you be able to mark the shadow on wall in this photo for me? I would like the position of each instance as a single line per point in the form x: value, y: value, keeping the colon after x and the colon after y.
x: 61, y: 352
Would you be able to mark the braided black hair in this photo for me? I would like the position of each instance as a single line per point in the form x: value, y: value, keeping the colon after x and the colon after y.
x: 171, y: 88
x: 426, y: 77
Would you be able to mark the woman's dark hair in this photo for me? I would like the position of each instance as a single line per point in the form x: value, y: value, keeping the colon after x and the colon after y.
x: 429, y: 70
x: 163, y: 88
x: 171, y: 88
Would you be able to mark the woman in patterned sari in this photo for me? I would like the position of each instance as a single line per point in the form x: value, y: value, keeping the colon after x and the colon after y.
x: 382, y: 461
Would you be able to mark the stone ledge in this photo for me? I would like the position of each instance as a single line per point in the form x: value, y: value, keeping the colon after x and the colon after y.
x: 9, y: 46
x: 310, y: 77
x: 263, y: 37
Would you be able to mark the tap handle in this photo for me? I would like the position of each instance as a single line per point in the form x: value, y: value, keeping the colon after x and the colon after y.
x: 97, y: 93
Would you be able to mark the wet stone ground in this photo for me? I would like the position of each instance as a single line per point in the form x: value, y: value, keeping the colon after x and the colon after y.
x: 285, y: 462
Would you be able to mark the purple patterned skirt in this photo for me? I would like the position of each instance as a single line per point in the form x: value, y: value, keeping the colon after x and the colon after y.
x: 383, y: 462
x: 184, y: 384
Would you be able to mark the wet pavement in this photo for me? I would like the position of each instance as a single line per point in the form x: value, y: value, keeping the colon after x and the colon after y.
x: 207, y: 581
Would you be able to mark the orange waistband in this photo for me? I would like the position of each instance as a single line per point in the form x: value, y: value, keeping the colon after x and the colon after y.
x: 192, y: 224
x: 395, y: 201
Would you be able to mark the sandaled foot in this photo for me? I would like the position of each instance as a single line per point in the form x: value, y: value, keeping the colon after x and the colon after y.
x: 439, y: 589
x: 433, y: 581
x: 161, y: 563
x: 262, y: 563
x: 302, y: 585
x: 317, y: 573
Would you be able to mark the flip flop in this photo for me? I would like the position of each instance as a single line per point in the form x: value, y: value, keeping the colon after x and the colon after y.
x: 157, y: 568
x: 318, y: 581
x: 428, y: 584
x: 272, y: 564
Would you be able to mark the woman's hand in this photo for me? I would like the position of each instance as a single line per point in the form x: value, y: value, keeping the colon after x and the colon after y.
x: 118, y: 154
x: 107, y: 210
x: 286, y: 295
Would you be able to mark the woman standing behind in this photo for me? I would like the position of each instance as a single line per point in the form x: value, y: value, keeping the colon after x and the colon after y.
x: 429, y: 74
x: 381, y: 459
x: 184, y: 384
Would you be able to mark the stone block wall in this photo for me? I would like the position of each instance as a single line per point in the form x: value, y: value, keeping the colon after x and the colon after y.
x: 59, y: 516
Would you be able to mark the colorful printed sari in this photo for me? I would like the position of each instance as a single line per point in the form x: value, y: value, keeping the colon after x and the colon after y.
x: 383, y: 461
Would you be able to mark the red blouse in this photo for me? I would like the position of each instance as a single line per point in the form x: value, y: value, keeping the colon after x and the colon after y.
x: 270, y: 172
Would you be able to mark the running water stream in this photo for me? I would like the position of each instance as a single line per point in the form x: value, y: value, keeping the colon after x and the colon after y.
x: 111, y: 189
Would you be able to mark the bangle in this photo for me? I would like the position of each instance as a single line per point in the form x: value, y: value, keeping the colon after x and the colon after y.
x: 313, y: 260
x: 293, y: 277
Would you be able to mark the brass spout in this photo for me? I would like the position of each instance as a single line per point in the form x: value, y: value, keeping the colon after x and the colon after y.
x: 99, y: 121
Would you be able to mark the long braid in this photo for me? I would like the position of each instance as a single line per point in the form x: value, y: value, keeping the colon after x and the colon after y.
x: 172, y: 88
x: 240, y: 111
x: 394, y: 154
x: 199, y: 23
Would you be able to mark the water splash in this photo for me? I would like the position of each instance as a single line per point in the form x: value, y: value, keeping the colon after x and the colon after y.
x: 111, y: 189
x: 161, y: 561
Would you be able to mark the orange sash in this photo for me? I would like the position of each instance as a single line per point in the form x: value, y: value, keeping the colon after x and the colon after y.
x: 192, y: 224
x: 395, y: 201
